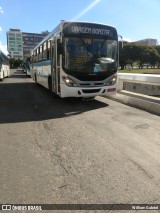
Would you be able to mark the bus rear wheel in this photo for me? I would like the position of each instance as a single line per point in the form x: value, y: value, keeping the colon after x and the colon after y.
x: 50, y: 85
x: 35, y: 78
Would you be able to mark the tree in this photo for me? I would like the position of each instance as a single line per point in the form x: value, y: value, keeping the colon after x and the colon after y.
x: 158, y: 50
x: 154, y: 56
x: 11, y: 61
x: 122, y: 59
x: 132, y: 53
x: 14, y: 63
x: 142, y: 54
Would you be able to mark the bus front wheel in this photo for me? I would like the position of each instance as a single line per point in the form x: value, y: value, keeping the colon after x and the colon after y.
x: 50, y: 88
x: 2, y: 76
x: 89, y: 98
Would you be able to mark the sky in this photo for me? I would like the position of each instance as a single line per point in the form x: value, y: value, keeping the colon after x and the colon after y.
x: 134, y: 19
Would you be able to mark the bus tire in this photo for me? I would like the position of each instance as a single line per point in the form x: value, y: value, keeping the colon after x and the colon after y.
x: 35, y: 78
x: 50, y: 88
x: 89, y: 98
x: 2, y: 76
x: 50, y: 84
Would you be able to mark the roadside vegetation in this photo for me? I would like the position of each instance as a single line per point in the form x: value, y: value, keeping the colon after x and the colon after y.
x: 15, y: 63
x: 143, y: 71
x: 137, y: 58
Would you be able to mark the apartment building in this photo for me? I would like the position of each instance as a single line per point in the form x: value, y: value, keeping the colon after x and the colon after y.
x: 30, y: 40
x: 15, y: 43
x: 148, y: 42
x: 19, y: 44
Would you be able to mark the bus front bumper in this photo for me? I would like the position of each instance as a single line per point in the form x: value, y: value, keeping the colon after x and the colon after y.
x: 87, y: 91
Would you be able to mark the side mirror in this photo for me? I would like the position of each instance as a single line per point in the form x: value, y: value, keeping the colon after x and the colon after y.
x: 121, y: 41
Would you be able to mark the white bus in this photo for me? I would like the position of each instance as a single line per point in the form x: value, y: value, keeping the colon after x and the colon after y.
x: 4, y: 66
x: 26, y: 67
x: 28, y: 70
x: 77, y: 59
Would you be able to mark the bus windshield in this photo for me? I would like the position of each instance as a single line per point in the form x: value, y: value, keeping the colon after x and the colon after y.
x: 90, y: 55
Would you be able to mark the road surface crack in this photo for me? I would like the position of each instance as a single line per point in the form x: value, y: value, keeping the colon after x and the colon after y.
x: 141, y: 169
x: 52, y: 154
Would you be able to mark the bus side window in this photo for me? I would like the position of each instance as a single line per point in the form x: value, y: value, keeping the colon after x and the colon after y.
x: 53, y: 53
x: 35, y: 56
x: 40, y: 53
x: 44, y: 51
x: 44, y: 55
x: 37, y: 53
x: 48, y: 50
x: 48, y: 54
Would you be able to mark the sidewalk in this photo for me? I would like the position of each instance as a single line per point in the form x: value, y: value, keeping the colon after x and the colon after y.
x: 144, y: 102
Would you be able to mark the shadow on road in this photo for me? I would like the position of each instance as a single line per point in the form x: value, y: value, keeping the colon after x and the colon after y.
x: 22, y: 102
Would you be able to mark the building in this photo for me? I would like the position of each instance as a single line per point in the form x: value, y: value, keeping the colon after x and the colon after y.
x: 148, y: 42
x: 14, y: 43
x: 19, y: 44
x: 30, y: 40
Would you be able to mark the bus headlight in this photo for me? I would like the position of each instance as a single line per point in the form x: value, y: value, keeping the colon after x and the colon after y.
x: 112, y: 81
x: 69, y: 82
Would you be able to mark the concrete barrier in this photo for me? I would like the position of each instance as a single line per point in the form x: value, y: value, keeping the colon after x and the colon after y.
x: 139, y: 101
x: 139, y: 83
x: 134, y: 98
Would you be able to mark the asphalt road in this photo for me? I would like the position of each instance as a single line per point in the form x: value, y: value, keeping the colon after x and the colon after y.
x: 73, y: 151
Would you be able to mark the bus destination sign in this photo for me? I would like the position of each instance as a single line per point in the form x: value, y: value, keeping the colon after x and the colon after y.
x: 89, y: 29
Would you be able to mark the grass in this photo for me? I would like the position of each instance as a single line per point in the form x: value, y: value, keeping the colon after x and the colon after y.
x: 149, y: 71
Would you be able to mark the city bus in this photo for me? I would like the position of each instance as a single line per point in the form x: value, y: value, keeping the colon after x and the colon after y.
x: 4, y: 66
x: 26, y: 67
x: 77, y: 59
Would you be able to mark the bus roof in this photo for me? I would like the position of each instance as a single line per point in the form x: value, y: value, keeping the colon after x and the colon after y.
x: 3, y: 55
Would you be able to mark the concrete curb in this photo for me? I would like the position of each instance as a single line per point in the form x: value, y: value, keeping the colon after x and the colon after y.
x: 144, y: 102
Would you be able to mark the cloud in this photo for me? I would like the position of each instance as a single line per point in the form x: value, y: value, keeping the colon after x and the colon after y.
x: 86, y: 9
x: 1, y: 10
x: 3, y: 48
x: 127, y: 39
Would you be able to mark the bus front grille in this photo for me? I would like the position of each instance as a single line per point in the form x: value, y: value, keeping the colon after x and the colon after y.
x: 90, y: 90
x: 92, y: 84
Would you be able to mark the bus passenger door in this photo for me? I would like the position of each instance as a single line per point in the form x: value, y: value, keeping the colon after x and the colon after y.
x: 59, y: 52
x: 55, y: 68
